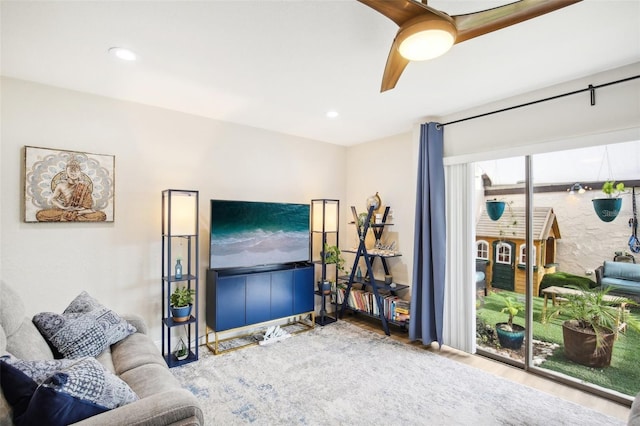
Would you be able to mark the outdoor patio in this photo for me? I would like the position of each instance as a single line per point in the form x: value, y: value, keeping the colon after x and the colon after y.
x: 622, y: 375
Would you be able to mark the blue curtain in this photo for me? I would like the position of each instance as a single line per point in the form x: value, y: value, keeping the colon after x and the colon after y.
x: 427, y: 291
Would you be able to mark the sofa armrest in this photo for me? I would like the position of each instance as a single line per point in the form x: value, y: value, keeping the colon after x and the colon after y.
x: 162, y: 409
x: 599, y: 273
x: 136, y: 321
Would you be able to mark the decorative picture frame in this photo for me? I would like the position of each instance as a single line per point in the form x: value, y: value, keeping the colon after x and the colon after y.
x: 68, y: 186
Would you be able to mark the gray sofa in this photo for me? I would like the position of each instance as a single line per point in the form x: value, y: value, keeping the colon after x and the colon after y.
x: 622, y: 277
x: 634, y: 414
x: 136, y: 360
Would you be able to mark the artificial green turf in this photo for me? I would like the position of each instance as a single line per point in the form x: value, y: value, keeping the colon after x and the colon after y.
x: 623, y: 375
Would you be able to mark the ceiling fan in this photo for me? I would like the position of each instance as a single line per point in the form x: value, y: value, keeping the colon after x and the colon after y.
x: 426, y: 33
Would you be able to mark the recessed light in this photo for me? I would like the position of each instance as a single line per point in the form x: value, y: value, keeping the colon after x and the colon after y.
x: 332, y: 114
x: 122, y: 53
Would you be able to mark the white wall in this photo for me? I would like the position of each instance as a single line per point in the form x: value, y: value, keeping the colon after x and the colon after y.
x: 385, y: 166
x: 586, y: 241
x: 564, y: 123
x: 155, y: 149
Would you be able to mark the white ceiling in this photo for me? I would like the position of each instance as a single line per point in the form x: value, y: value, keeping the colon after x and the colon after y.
x: 281, y: 65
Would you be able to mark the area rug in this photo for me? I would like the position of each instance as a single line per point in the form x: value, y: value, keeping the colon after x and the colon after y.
x: 342, y: 374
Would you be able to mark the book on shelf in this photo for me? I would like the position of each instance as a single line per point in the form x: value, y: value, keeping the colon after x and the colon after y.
x: 394, y: 308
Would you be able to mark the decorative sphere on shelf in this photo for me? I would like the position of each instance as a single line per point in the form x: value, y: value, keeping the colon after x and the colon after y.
x: 374, y: 201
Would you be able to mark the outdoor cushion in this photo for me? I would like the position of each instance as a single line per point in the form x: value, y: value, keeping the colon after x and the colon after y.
x: 625, y: 286
x: 622, y: 270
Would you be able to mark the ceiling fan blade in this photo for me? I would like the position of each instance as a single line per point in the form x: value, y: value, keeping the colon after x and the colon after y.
x: 399, y: 11
x: 479, y: 23
x: 396, y: 64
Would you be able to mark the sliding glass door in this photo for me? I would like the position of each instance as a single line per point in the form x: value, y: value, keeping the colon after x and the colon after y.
x: 500, y: 265
x: 591, y: 245
x: 551, y: 252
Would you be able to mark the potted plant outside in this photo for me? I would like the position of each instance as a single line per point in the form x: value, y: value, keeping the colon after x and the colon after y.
x: 608, y: 208
x: 590, y: 331
x: 181, y: 301
x: 510, y: 335
x: 495, y: 208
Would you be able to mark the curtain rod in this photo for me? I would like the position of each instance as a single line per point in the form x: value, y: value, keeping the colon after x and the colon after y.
x: 590, y: 88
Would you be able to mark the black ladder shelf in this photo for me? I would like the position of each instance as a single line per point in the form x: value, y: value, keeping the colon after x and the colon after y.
x: 362, y: 252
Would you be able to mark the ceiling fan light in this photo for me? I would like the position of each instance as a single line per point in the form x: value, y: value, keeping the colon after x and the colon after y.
x: 426, y: 39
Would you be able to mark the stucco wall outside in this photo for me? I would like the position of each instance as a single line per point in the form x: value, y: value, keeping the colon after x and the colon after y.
x: 586, y: 241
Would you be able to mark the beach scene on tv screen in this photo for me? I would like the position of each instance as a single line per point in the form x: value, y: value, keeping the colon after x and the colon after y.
x: 246, y: 233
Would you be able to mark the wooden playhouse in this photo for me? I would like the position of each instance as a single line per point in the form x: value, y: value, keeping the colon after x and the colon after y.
x: 500, y: 245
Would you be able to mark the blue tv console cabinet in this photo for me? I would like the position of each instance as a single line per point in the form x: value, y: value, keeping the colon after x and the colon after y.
x: 244, y: 298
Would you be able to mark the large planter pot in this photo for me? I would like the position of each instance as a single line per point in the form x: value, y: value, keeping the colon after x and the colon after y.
x: 607, y: 209
x: 181, y: 313
x: 510, y: 339
x: 495, y: 209
x: 580, y: 345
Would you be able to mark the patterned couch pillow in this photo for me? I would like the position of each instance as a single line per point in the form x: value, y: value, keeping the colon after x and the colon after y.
x: 60, y: 392
x: 85, y: 328
x: 20, y: 379
x: 87, y: 379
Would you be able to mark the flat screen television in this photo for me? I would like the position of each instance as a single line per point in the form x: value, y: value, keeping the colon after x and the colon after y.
x: 251, y: 234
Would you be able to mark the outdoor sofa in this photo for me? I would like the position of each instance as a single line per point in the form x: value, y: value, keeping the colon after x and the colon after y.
x: 622, y: 278
x: 159, y: 398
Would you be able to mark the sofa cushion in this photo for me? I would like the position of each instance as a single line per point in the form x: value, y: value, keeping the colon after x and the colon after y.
x: 5, y: 411
x: 12, y: 311
x: 134, y: 351
x: 150, y: 379
x: 622, y: 270
x: 61, y: 391
x: 3, y: 341
x: 106, y: 360
x: 86, y: 328
x: 28, y: 343
x: 621, y: 286
x: 22, y: 339
x: 634, y: 413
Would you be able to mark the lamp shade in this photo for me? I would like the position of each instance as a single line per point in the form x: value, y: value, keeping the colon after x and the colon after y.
x: 180, y: 212
x: 325, y: 215
x: 423, y: 39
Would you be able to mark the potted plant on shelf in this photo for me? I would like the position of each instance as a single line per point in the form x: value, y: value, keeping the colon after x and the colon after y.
x: 594, y: 317
x: 181, y: 350
x: 181, y: 303
x: 332, y: 255
x: 608, y: 208
x: 324, y: 287
x: 510, y: 335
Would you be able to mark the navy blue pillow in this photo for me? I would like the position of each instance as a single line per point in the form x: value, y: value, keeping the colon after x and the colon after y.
x: 51, y: 408
x: 18, y: 388
x: 43, y: 405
